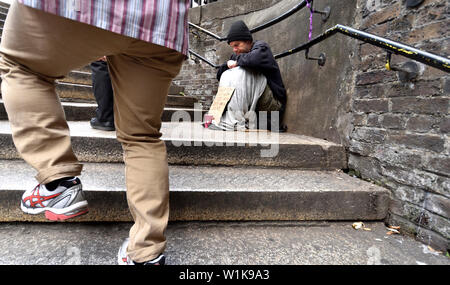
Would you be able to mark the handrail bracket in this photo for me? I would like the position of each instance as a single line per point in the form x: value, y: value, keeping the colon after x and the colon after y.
x: 325, y: 13
x: 408, y: 72
x: 320, y: 60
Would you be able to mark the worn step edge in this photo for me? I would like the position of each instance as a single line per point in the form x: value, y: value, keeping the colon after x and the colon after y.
x: 215, y: 194
x: 78, y: 77
x: 205, y: 147
x: 74, y: 91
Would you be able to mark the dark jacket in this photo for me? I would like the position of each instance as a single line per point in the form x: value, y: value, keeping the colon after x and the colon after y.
x: 260, y: 58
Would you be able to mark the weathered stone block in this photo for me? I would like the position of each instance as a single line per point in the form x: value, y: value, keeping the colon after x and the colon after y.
x: 369, y: 135
x: 439, y: 204
x: 368, y: 168
x: 382, y: 16
x: 429, y: 142
x: 362, y: 148
x: 430, y: 31
x: 444, y: 126
x: 374, y: 77
x: 359, y: 119
x: 398, y: 156
x: 371, y: 105
x: 420, y: 124
x: 414, y: 178
x: 369, y: 91
x: 420, y: 105
x: 438, y: 164
x: 391, y: 121
x: 409, y: 194
x: 421, y: 88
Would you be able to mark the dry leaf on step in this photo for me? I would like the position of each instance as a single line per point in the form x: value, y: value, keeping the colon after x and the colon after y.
x: 360, y: 225
x: 393, y: 230
x: 357, y: 225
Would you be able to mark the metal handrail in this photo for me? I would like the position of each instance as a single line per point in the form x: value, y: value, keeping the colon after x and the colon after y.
x: 272, y: 22
x: 390, y: 46
x: 424, y: 57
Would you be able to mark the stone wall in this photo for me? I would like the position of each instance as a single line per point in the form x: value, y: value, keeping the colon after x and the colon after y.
x: 396, y: 133
x: 400, y: 136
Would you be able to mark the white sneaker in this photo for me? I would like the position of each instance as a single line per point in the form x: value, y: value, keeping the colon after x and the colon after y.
x: 65, y: 202
x: 124, y: 259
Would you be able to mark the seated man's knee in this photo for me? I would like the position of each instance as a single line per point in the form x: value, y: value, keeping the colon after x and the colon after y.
x: 232, y: 74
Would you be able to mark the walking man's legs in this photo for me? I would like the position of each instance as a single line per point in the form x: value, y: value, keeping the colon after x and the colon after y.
x: 141, y: 79
x: 36, y: 49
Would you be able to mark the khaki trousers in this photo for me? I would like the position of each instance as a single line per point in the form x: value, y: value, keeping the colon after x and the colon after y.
x: 37, y: 48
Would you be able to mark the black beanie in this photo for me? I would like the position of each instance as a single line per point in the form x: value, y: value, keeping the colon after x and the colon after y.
x: 239, y: 32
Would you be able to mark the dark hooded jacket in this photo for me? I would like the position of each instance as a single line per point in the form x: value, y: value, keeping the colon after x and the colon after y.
x: 260, y: 58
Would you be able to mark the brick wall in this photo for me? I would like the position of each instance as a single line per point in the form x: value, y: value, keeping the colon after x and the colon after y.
x: 400, y: 136
x: 198, y: 78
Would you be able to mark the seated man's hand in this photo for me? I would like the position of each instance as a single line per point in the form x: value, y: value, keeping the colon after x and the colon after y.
x: 232, y: 63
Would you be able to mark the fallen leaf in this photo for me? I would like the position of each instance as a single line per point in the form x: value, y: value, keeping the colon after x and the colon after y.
x: 433, y: 250
x: 358, y: 225
x: 392, y: 231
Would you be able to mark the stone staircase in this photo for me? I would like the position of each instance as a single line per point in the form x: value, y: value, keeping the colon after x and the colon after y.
x: 214, y: 175
x: 78, y: 100
x: 75, y: 91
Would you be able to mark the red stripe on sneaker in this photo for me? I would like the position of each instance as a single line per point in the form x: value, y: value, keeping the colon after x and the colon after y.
x: 39, y: 199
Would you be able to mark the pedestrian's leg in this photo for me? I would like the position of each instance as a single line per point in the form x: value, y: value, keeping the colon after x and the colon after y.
x: 141, y: 80
x: 103, y: 92
x: 37, y: 48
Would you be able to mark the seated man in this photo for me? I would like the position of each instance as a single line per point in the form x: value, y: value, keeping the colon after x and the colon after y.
x: 255, y: 75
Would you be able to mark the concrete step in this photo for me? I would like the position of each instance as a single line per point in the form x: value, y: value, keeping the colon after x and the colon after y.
x: 221, y: 243
x: 73, y: 91
x: 200, y: 193
x: 180, y: 101
x: 78, y: 77
x: 83, y: 76
x: 188, y: 143
x: 4, y: 5
x: 85, y: 111
x: 3, y: 13
x: 82, y: 93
